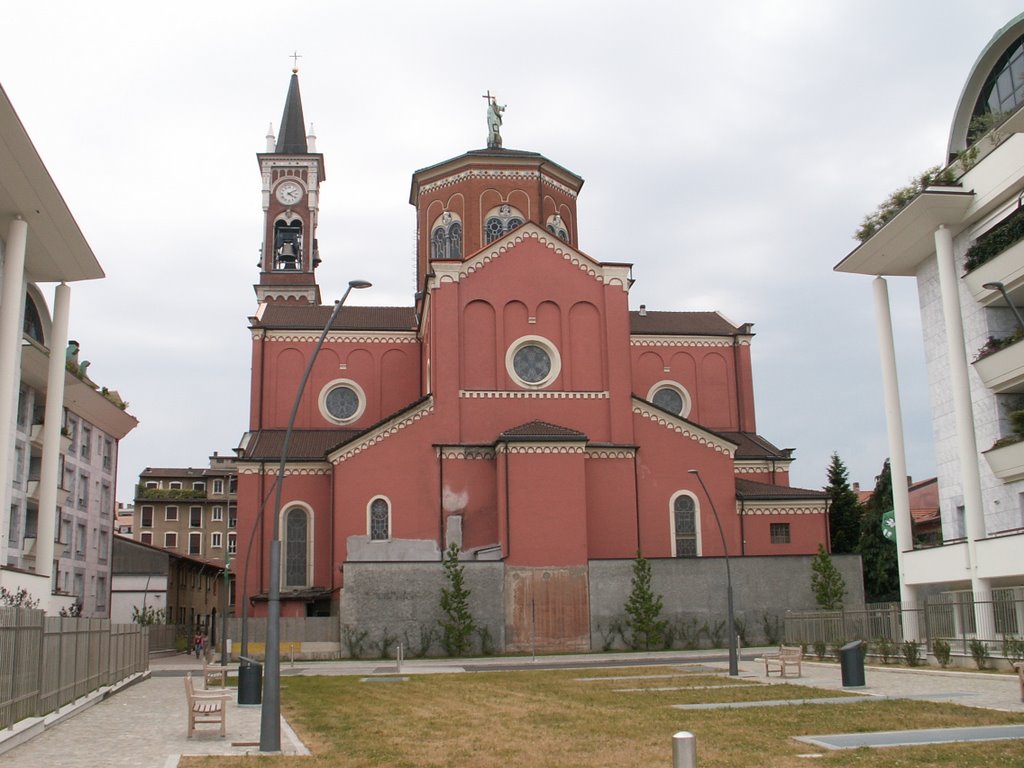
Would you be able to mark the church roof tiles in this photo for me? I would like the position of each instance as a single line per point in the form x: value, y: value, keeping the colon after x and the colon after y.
x: 751, y: 489
x: 541, y: 430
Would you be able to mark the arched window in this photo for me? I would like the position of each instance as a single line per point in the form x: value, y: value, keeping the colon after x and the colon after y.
x: 685, y: 526
x: 446, y: 237
x: 557, y: 227
x: 296, y: 548
x: 379, y: 522
x: 501, y: 220
x: 288, y: 244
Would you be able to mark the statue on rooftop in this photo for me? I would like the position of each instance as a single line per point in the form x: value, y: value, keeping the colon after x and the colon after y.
x: 494, y: 112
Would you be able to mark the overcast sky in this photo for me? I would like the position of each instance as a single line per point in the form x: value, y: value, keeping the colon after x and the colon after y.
x: 729, y: 150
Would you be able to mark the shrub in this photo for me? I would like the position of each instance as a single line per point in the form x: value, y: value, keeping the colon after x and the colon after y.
x: 979, y: 651
x: 714, y: 633
x: 1013, y: 649
x: 424, y: 641
x: 483, y: 632
x: 942, y: 652
x: 385, y: 643
x: 689, y: 633
x: 820, y: 649
x: 911, y: 652
x: 608, y: 633
x: 353, y: 639
x: 885, y: 648
x: 772, y: 629
x: 741, y: 630
x: 995, y: 241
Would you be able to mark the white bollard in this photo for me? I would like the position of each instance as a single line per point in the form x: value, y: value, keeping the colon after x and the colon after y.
x: 684, y: 750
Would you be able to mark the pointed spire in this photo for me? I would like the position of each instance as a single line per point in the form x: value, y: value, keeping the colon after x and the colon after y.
x: 291, y: 139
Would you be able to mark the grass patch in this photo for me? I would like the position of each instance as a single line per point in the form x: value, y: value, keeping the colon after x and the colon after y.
x: 553, y: 719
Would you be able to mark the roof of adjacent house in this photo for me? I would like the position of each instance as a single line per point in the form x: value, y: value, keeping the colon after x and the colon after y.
x: 305, y: 445
x: 752, y: 446
x: 751, y: 489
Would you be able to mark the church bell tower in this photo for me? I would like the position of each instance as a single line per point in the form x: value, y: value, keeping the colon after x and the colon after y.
x: 292, y: 170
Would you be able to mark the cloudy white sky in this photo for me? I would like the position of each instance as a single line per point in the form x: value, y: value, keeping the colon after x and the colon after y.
x: 730, y: 149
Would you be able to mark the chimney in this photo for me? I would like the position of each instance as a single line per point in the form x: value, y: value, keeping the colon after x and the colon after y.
x: 643, y: 310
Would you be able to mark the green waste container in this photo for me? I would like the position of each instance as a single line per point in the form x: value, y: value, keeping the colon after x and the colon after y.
x: 851, y: 659
x: 250, y: 682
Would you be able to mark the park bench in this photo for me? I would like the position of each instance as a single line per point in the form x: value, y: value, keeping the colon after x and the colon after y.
x: 205, y: 707
x: 212, y: 672
x: 785, y: 658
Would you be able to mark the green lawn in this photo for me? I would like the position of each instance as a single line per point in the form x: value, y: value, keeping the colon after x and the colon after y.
x: 534, y: 719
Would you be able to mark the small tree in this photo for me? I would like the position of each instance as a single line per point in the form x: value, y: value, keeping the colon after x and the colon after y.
x: 457, y: 626
x: 827, y: 582
x: 644, y: 609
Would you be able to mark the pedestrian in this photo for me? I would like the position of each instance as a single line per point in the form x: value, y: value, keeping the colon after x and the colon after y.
x: 197, y: 643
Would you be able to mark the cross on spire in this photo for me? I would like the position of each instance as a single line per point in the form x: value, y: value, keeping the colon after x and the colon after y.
x: 295, y: 56
x: 488, y: 96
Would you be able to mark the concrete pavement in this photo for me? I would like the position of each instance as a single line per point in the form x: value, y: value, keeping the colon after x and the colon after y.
x: 143, y: 725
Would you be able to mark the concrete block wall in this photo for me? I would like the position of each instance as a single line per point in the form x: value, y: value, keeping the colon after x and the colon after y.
x: 403, y: 598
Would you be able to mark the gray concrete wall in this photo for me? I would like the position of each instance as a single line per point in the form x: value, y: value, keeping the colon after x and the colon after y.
x: 693, y: 591
x: 402, y: 599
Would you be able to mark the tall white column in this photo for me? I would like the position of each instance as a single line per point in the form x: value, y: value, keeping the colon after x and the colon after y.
x: 967, y: 446
x: 49, y: 470
x: 12, y: 298
x: 897, y: 451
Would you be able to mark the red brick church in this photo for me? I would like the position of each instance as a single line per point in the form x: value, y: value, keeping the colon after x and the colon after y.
x: 517, y: 407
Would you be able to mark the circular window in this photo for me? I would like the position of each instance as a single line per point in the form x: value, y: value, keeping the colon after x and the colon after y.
x: 342, y: 401
x: 532, y: 361
x: 671, y: 397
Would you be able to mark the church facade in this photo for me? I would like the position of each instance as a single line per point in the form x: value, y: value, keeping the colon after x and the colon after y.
x: 518, y: 408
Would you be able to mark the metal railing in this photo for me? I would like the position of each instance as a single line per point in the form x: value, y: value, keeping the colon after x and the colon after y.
x: 49, y: 661
x: 960, y: 618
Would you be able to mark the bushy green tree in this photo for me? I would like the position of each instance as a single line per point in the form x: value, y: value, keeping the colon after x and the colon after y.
x: 827, y: 582
x: 878, y: 554
x: 457, y: 626
x: 844, y: 510
x: 647, y: 628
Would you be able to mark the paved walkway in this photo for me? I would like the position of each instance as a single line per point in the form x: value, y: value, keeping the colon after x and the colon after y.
x: 143, y: 725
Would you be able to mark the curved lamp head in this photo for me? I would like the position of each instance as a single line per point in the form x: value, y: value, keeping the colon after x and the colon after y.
x: 359, y: 284
x: 693, y: 471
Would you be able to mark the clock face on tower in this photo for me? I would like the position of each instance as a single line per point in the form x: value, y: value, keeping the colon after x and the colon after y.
x: 289, y: 192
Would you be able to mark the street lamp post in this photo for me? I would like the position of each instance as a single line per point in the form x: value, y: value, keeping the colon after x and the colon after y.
x: 1016, y: 312
x: 270, y: 714
x: 227, y: 606
x: 731, y: 617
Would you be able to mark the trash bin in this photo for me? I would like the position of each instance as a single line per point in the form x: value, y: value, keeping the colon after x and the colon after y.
x: 250, y: 682
x: 851, y: 659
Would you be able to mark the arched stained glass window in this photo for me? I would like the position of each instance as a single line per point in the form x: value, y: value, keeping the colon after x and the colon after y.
x: 685, y: 512
x: 446, y: 237
x: 380, y: 519
x: 501, y: 220
x: 296, y: 550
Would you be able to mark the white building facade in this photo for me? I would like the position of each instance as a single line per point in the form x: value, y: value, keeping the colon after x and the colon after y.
x: 963, y: 242
x: 58, y: 450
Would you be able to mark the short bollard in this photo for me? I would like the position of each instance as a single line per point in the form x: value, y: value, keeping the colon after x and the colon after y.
x: 684, y: 750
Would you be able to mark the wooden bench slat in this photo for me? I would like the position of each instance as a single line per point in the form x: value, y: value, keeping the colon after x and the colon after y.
x: 205, y: 707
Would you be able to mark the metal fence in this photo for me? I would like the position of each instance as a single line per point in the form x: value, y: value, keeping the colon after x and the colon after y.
x: 49, y: 661
x: 961, y: 619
